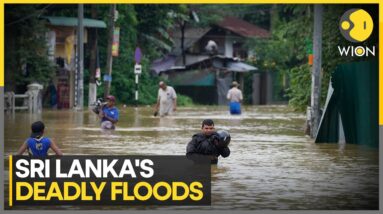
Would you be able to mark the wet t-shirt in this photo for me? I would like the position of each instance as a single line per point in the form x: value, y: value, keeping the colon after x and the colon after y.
x: 110, y: 112
x: 234, y: 95
x: 166, y: 98
x: 39, y: 147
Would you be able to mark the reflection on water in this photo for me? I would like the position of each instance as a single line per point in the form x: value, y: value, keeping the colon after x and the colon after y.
x: 272, y: 164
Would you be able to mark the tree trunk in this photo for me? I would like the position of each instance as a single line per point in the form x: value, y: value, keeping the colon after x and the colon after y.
x: 80, y: 59
x: 316, y: 69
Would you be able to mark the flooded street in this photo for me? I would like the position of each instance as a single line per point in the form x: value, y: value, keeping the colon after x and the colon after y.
x: 272, y: 165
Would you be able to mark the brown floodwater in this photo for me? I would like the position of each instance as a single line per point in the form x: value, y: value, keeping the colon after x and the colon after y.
x: 272, y: 165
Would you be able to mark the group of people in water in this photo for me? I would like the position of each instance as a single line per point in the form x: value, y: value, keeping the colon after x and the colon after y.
x: 166, y: 104
x: 207, y: 143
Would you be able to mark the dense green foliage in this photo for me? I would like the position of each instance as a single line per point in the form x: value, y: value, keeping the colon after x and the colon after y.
x: 26, y: 54
x: 287, y: 50
x: 285, y: 53
x: 140, y: 27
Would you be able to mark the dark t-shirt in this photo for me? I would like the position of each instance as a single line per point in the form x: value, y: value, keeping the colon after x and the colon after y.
x: 204, y: 145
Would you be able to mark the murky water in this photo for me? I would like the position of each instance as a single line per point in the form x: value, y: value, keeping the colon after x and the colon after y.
x: 272, y: 164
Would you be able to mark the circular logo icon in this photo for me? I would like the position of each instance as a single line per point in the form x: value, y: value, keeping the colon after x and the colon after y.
x: 356, y: 25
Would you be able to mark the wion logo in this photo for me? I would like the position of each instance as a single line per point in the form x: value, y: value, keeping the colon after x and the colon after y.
x: 356, y: 26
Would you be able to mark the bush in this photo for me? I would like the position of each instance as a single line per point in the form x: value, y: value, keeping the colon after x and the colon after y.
x: 300, y: 81
x: 183, y: 100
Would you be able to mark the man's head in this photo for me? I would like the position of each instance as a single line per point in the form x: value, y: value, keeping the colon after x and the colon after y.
x: 234, y: 84
x: 207, y: 127
x: 162, y: 85
x: 111, y: 100
x: 37, y: 129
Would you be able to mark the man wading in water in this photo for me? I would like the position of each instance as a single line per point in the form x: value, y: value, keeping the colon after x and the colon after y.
x: 208, y: 143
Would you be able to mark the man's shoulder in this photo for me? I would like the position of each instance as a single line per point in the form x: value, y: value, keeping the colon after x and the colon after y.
x: 170, y: 88
x: 115, y: 111
x: 28, y: 140
x: 198, y: 136
x: 46, y: 138
x: 34, y: 140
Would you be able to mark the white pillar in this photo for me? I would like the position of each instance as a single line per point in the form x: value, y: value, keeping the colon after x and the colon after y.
x: 37, y: 100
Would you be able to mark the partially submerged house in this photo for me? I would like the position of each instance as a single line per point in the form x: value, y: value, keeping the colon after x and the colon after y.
x: 210, y: 60
x: 62, y: 50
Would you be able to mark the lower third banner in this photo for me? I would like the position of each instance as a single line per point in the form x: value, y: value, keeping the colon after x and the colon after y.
x: 109, y: 180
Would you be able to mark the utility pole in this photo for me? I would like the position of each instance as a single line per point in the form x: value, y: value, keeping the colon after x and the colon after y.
x: 109, y: 62
x: 79, y: 104
x: 183, y: 24
x: 137, y: 71
x: 316, y: 69
x: 92, y: 96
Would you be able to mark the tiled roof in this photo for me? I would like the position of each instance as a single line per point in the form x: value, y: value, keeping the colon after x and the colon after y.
x: 243, y: 28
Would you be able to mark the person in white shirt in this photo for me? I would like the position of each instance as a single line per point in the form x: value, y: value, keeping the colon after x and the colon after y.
x: 166, y: 100
x: 234, y: 95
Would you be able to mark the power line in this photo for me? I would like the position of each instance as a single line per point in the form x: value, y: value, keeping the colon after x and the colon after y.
x: 39, y: 12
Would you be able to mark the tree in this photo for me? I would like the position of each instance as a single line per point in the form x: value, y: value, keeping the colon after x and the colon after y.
x: 286, y: 50
x: 26, y: 58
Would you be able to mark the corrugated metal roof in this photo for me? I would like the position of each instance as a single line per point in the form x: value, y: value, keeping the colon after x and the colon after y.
x: 231, y: 64
x: 167, y: 64
x: 72, y: 22
x: 163, y: 64
x: 240, y: 67
x: 243, y: 28
x: 173, y: 62
x: 191, y: 36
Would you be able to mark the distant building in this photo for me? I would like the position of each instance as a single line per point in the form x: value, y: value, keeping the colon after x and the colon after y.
x: 212, y: 58
x: 61, y: 42
x: 62, y: 50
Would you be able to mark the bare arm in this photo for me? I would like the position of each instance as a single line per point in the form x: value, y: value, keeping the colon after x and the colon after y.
x: 174, y: 96
x: 111, y: 119
x: 157, y: 104
x: 175, y: 104
x: 55, y: 148
x: 101, y: 114
x: 22, y: 148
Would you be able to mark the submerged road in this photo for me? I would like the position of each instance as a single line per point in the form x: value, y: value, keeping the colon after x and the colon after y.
x: 272, y: 165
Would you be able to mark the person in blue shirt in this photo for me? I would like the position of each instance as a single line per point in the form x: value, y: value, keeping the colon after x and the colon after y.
x: 38, y: 145
x: 109, y: 114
